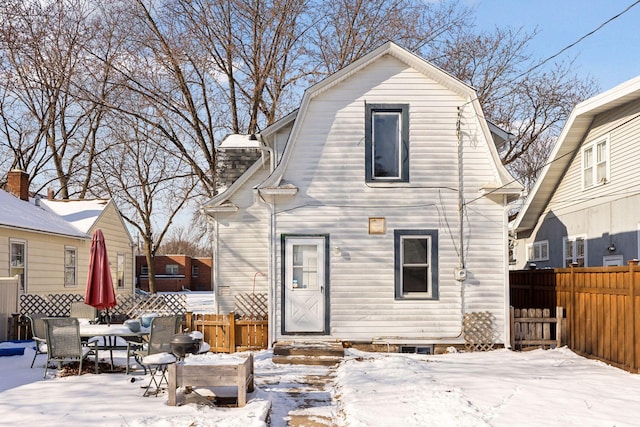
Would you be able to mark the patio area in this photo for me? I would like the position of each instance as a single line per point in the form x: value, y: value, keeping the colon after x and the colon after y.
x: 495, y: 388
x: 64, y: 398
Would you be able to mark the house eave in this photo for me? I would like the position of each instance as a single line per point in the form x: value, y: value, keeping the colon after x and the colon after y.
x: 225, y: 207
x: 284, y: 190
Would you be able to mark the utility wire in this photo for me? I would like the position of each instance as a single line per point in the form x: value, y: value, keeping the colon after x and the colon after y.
x: 577, y: 41
x: 544, y: 62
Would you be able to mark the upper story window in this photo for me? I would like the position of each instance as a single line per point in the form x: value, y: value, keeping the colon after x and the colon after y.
x: 595, y: 163
x: 575, y: 251
x: 538, y: 251
x: 172, y: 269
x: 387, y: 143
x: 416, y: 264
x: 70, y: 266
x: 195, y: 271
x: 144, y: 270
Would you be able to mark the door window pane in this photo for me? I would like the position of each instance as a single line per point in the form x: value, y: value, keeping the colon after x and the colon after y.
x: 305, y: 266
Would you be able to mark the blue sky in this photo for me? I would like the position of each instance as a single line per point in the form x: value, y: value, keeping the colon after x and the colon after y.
x: 611, y: 55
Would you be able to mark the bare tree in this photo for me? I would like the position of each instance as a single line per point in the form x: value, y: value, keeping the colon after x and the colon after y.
x: 529, y: 102
x: 47, y: 128
x: 151, y: 183
x: 182, y: 242
x: 348, y: 29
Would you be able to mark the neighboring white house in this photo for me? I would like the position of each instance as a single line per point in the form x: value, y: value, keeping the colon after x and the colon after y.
x: 351, y: 221
x: 47, y: 242
x: 585, y: 207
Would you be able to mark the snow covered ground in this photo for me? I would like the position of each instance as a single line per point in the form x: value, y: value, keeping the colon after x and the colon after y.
x: 499, y: 388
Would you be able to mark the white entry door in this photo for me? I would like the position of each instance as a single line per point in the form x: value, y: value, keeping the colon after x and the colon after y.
x: 304, y: 285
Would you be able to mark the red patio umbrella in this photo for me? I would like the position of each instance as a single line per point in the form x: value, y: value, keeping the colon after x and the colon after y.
x: 99, y: 293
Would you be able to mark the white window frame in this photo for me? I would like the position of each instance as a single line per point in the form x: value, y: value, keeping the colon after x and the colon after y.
x: 536, y: 250
x: 71, y: 266
x: 195, y: 271
x: 595, y: 177
x: 121, y: 266
x: 566, y: 260
x: 430, y: 264
x: 13, y: 269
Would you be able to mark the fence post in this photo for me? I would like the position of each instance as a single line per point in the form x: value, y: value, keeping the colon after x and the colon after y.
x: 559, y: 316
x: 632, y: 295
x: 512, y: 326
x: 572, y: 324
x: 232, y: 332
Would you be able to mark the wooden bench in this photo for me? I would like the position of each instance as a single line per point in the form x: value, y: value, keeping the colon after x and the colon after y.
x: 217, y: 374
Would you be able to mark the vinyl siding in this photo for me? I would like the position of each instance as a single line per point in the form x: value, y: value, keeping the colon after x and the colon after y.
x: 45, y: 255
x: 604, y: 210
x: 45, y: 260
x: 242, y: 247
x: 118, y: 241
x: 328, y: 168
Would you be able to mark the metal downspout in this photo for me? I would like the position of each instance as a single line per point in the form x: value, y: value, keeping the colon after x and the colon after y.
x: 271, y: 280
x: 215, y: 274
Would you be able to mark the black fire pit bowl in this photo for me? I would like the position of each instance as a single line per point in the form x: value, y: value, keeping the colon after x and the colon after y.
x: 183, y: 344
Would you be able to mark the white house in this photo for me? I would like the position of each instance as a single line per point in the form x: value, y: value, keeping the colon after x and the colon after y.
x: 377, y: 213
x: 584, y: 207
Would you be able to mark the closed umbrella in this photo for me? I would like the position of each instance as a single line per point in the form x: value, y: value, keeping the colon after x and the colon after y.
x: 99, y: 293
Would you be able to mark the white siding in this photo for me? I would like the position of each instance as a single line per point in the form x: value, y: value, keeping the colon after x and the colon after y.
x: 333, y: 198
x: 242, y: 249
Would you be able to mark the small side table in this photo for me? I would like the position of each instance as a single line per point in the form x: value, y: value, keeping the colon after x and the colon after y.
x: 183, y: 374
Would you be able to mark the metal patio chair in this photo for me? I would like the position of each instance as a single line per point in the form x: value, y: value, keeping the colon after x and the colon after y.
x: 161, y: 330
x: 80, y: 310
x: 38, y: 334
x: 63, y: 342
x: 155, y: 355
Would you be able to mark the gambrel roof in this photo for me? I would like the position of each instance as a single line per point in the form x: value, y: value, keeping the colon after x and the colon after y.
x: 505, y: 183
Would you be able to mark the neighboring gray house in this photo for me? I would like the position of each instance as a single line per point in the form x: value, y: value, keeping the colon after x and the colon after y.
x: 378, y: 212
x: 585, y: 207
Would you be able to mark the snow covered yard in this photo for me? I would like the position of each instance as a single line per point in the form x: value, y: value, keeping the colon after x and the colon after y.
x: 499, y: 388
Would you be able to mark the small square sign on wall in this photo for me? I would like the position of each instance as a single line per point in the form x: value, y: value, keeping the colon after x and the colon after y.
x: 377, y: 226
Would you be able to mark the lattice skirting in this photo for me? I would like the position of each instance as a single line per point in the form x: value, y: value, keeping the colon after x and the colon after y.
x: 252, y: 306
x: 57, y: 305
x: 479, y: 331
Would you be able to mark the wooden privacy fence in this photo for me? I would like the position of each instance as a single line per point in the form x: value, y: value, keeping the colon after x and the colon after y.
x: 227, y: 334
x: 601, y: 305
x: 534, y: 327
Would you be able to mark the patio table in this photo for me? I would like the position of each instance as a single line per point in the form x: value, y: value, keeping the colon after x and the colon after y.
x: 110, y: 333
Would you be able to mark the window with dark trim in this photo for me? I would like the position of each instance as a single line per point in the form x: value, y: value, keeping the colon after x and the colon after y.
x: 387, y: 143
x: 416, y: 264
